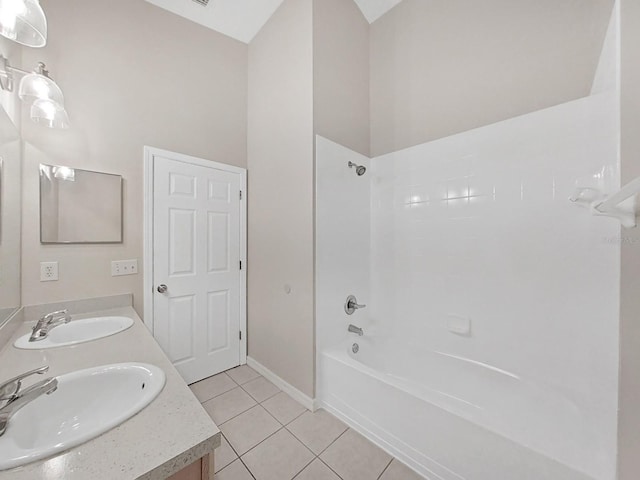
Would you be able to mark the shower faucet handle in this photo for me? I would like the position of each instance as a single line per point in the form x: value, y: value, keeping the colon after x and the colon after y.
x: 351, y: 305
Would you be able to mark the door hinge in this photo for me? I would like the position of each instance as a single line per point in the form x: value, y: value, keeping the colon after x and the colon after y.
x: 240, y: 264
x: 240, y: 194
x: 240, y: 334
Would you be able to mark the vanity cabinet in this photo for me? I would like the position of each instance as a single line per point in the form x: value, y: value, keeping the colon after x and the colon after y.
x: 200, y: 470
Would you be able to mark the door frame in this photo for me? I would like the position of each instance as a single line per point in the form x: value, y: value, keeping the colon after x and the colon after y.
x: 147, y: 273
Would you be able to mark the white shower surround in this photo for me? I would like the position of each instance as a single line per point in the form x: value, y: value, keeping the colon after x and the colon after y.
x: 478, y: 226
x: 476, y: 231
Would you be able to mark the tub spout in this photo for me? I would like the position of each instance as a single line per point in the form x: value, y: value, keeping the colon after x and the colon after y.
x: 354, y: 329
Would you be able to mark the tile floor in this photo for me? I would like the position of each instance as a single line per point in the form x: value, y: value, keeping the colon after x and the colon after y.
x: 269, y: 436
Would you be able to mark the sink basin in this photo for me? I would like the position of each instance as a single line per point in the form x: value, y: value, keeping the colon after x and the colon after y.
x: 86, y: 404
x: 77, y: 331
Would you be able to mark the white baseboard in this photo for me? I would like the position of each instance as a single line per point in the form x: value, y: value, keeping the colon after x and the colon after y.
x: 308, y: 402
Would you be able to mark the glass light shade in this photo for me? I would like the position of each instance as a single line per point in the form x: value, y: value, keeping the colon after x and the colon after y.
x: 35, y: 86
x: 23, y: 21
x: 49, y: 113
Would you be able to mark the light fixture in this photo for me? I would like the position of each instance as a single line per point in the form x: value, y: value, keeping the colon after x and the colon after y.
x: 23, y: 21
x: 49, y: 113
x: 38, y: 90
x: 39, y: 86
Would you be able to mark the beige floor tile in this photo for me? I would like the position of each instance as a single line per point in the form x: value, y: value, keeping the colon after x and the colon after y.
x: 249, y: 428
x: 242, y: 374
x: 353, y: 457
x: 317, y: 430
x: 399, y: 471
x: 224, y: 455
x: 226, y: 406
x: 260, y: 389
x: 212, y: 387
x: 235, y: 471
x: 279, y: 457
x: 283, y: 407
x: 317, y: 471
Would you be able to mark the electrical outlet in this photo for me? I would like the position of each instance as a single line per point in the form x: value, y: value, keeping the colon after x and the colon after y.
x: 124, y: 267
x: 48, y: 271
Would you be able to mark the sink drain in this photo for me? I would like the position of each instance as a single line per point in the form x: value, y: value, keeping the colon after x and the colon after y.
x: 355, y: 348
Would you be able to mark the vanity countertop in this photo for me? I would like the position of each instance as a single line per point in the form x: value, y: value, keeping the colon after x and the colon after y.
x: 169, y: 434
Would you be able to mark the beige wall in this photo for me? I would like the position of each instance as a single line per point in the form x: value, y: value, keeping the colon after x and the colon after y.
x: 280, y: 161
x: 629, y: 417
x: 442, y: 67
x: 341, y: 73
x: 132, y: 75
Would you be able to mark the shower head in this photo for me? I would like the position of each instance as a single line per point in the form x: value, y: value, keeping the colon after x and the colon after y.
x: 359, y: 168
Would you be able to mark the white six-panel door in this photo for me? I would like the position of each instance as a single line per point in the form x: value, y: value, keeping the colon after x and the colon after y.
x: 196, y: 256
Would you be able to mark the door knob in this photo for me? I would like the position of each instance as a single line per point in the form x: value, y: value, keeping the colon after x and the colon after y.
x: 162, y: 288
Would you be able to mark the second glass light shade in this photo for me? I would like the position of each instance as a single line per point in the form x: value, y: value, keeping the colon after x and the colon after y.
x: 45, y: 97
x: 49, y: 113
x: 23, y: 21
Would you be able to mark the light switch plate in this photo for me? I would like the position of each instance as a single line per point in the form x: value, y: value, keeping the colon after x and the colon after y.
x: 48, y: 271
x: 124, y: 267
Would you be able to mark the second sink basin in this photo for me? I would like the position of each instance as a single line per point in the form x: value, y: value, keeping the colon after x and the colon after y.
x: 77, y: 331
x: 86, y: 404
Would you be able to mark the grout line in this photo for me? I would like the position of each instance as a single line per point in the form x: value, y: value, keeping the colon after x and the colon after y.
x: 230, y: 378
x: 385, y: 468
x: 308, y: 449
x: 271, y: 435
x: 236, y: 460
x: 279, y: 391
x: 232, y: 449
x: 337, y: 438
x: 248, y: 381
x: 303, y: 468
x: 222, y: 423
x: 236, y: 416
x: 217, y: 395
x: 294, y: 419
x: 256, y: 398
x: 329, y: 467
x: 248, y: 469
x: 260, y: 443
x: 235, y: 381
x: 243, y: 383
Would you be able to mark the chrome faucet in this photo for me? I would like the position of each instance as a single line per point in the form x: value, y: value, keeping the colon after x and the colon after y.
x: 357, y: 330
x: 47, y: 323
x: 14, y: 397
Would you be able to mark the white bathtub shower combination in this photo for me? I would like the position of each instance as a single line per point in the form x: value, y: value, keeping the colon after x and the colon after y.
x: 449, y: 417
x: 490, y: 346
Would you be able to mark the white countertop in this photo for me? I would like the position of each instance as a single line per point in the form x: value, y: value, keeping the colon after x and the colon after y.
x: 169, y: 434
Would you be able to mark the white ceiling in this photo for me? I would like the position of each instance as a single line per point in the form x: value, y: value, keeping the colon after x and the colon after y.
x: 374, y: 9
x: 243, y: 19
x: 239, y: 19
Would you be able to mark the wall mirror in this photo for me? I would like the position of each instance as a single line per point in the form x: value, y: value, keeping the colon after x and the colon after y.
x: 10, y: 213
x: 79, y: 206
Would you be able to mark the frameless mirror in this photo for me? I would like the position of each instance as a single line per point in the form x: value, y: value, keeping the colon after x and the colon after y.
x: 79, y: 206
x: 10, y: 216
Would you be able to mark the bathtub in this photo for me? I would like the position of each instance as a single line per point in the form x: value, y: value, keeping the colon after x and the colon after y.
x: 452, y: 418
